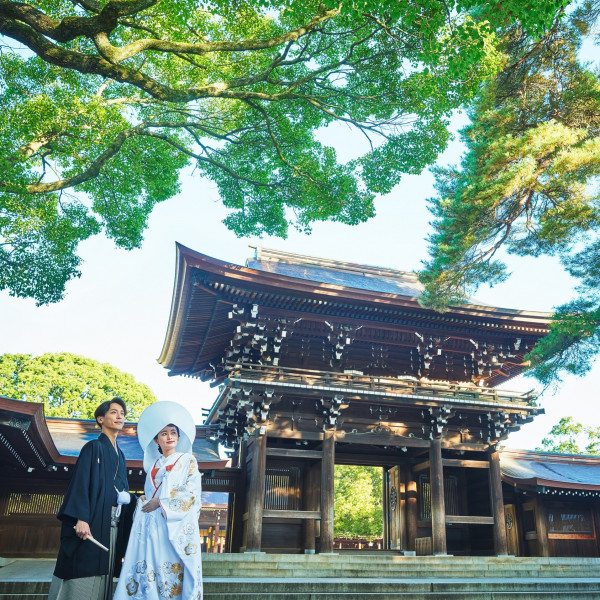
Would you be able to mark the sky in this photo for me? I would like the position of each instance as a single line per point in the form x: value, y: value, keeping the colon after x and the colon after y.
x: 117, y: 311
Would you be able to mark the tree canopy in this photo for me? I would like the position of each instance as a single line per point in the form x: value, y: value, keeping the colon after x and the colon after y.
x: 567, y: 436
x: 106, y: 101
x: 527, y: 184
x: 358, y: 502
x: 69, y: 385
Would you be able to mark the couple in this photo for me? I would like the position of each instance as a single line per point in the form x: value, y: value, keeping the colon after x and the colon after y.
x: 163, y: 554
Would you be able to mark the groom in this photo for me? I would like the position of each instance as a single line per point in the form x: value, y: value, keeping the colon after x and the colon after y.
x: 92, y: 508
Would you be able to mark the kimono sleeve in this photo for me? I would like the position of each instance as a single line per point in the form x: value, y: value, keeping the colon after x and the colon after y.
x: 184, y: 494
x: 77, y: 503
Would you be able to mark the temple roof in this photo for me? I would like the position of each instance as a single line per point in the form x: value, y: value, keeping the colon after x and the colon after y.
x: 535, y: 470
x: 350, y: 275
x: 318, y: 301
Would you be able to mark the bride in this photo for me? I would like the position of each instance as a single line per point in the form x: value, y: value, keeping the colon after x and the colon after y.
x: 163, y: 554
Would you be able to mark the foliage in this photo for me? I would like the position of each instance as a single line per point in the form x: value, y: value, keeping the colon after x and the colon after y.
x: 528, y: 184
x: 566, y: 436
x: 69, y: 385
x: 358, y: 502
x: 105, y: 101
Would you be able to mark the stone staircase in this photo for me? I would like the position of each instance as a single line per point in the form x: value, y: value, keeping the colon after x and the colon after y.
x: 347, y: 576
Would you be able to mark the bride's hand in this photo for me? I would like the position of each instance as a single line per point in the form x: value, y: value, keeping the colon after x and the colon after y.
x: 151, y: 505
x: 142, y: 498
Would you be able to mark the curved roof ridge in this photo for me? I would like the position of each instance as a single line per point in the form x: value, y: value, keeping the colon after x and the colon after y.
x: 270, y: 254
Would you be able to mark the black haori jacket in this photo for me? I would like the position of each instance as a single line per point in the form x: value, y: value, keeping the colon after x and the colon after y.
x: 90, y: 497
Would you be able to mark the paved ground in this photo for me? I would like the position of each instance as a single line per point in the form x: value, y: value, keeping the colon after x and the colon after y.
x: 32, y: 569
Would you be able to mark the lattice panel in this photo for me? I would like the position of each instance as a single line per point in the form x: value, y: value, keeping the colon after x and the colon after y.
x: 26, y: 503
x: 282, y: 489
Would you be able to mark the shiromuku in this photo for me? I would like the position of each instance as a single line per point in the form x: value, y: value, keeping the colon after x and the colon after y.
x: 163, y: 555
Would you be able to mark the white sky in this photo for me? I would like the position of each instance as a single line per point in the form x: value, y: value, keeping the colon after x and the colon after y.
x: 117, y: 311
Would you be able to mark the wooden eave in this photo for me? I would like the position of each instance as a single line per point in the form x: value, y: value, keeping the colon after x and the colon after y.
x: 534, y: 483
x: 37, y: 433
x: 205, y: 289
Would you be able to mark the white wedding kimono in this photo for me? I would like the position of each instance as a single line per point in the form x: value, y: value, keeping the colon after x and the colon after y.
x: 163, y: 554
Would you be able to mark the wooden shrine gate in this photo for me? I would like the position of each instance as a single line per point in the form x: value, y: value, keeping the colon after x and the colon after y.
x: 321, y: 362
x: 440, y: 505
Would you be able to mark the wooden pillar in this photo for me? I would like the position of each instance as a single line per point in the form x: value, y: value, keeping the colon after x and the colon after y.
x: 311, y: 502
x: 541, y: 525
x: 327, y: 483
x: 386, y: 509
x: 256, y: 493
x: 236, y: 505
x: 438, y: 507
x: 500, y: 544
x: 464, y: 498
x: 412, y: 511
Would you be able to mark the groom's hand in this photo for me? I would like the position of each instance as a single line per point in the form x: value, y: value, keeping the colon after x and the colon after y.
x: 82, y: 529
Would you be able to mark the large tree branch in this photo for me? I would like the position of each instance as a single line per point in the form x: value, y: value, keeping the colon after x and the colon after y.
x: 92, y: 171
x: 100, y: 25
x: 116, y: 54
x: 92, y: 64
x: 95, y: 167
x: 71, y: 27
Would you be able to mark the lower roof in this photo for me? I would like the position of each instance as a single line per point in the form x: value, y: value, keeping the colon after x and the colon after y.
x: 30, y: 440
x: 533, y: 470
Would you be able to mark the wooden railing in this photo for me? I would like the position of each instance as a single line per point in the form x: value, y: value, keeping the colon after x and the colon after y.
x: 374, y: 385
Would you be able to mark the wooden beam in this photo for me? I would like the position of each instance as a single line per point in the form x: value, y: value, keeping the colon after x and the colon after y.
x: 424, y: 466
x: 468, y: 520
x: 571, y: 536
x: 468, y: 464
x: 291, y: 514
x: 294, y: 453
x: 381, y: 439
x: 288, y: 434
x: 467, y: 446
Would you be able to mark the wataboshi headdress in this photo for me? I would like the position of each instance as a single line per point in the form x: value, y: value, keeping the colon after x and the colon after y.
x: 157, y: 416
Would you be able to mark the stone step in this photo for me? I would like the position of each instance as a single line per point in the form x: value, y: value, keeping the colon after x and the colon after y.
x: 283, y: 567
x: 395, y: 558
x: 212, y: 569
x: 351, y: 573
x: 355, y: 577
x: 404, y: 589
x: 229, y: 588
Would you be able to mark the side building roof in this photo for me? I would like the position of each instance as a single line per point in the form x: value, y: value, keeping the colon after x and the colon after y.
x: 29, y: 440
x: 550, y: 473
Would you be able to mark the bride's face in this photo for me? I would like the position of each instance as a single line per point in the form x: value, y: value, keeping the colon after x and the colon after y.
x: 167, y: 439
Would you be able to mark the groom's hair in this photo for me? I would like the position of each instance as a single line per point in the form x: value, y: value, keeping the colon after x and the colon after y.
x: 105, y: 407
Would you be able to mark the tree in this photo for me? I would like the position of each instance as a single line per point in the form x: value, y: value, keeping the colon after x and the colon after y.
x: 566, y: 436
x: 106, y: 101
x: 527, y: 184
x: 69, y: 385
x: 358, y: 502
